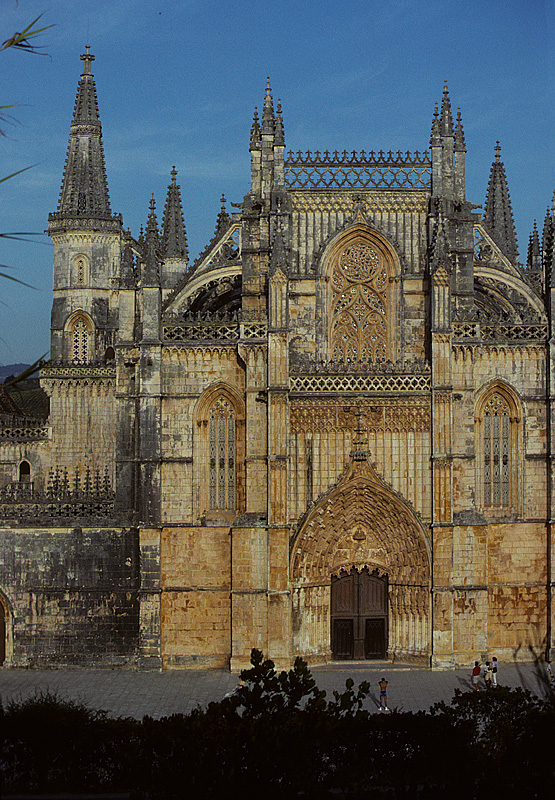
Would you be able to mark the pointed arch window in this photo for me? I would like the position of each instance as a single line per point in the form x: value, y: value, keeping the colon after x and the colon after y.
x: 359, y: 318
x: 80, y: 331
x: 499, y: 434
x: 221, y: 456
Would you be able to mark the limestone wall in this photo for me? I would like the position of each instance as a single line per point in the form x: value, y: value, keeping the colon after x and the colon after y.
x: 71, y: 596
x: 195, y: 599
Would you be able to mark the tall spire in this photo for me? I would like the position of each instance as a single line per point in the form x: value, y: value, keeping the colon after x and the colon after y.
x: 84, y: 191
x: 174, y: 237
x: 498, y: 214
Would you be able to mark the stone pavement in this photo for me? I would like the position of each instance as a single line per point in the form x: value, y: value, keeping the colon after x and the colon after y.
x: 124, y: 693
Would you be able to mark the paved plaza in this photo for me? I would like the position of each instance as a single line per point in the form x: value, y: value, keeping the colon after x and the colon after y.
x: 126, y: 693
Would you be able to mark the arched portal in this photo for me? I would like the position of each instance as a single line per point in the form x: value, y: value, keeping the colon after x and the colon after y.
x: 361, y: 527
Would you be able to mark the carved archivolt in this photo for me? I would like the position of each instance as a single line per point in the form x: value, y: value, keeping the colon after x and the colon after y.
x: 361, y: 523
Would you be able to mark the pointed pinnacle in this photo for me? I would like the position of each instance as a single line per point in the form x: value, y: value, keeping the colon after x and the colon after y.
x: 497, y: 152
x: 435, y: 136
x: 446, y: 116
x: 268, y: 122
x: 279, y: 138
x: 459, y: 134
x: 255, y: 131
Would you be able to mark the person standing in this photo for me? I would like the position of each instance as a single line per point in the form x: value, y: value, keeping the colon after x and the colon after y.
x: 383, y: 694
x: 494, y: 672
x: 487, y: 674
x: 476, y: 674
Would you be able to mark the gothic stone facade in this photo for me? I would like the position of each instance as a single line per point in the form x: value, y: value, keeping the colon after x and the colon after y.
x: 329, y: 436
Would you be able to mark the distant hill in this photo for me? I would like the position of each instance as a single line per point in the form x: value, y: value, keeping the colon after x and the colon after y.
x: 11, y: 369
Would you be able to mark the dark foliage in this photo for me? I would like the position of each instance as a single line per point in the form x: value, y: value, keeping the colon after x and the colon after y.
x: 48, y: 743
x: 279, y: 736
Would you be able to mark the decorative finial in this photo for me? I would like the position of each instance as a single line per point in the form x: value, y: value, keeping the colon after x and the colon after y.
x: 173, y: 173
x: 360, y: 443
x: 497, y: 152
x: 87, y: 59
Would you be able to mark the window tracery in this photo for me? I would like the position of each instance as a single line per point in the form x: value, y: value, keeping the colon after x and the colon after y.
x: 499, y: 465
x: 79, y: 332
x: 359, y: 305
x: 80, y: 270
x: 221, y: 456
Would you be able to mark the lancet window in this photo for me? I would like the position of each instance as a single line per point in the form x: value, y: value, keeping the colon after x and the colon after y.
x: 499, y: 465
x: 359, y: 326
x: 221, y: 456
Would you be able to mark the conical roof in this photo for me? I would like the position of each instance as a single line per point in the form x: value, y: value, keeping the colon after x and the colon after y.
x: 84, y: 191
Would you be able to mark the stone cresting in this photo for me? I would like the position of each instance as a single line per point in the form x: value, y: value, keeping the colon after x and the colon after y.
x: 362, y: 170
x: 79, y: 498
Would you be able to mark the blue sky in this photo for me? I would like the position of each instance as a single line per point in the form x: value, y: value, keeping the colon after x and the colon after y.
x: 178, y: 81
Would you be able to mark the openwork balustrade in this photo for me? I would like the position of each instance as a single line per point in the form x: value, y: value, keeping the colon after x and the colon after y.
x: 500, y: 332
x: 361, y: 383
x: 24, y: 431
x: 86, y: 497
x: 364, y: 170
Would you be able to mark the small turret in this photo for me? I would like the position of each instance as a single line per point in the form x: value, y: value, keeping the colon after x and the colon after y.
x: 498, y: 214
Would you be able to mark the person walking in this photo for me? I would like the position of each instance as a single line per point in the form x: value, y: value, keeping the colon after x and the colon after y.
x: 494, y: 672
x: 476, y: 674
x: 383, y: 694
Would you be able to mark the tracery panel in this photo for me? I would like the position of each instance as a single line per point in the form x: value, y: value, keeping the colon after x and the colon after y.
x: 359, y: 319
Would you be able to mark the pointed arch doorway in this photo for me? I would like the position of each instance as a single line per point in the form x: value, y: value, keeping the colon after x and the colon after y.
x: 361, y: 523
x: 359, y: 619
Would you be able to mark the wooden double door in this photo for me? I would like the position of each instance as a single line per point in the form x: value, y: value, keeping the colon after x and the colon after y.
x: 358, y: 616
